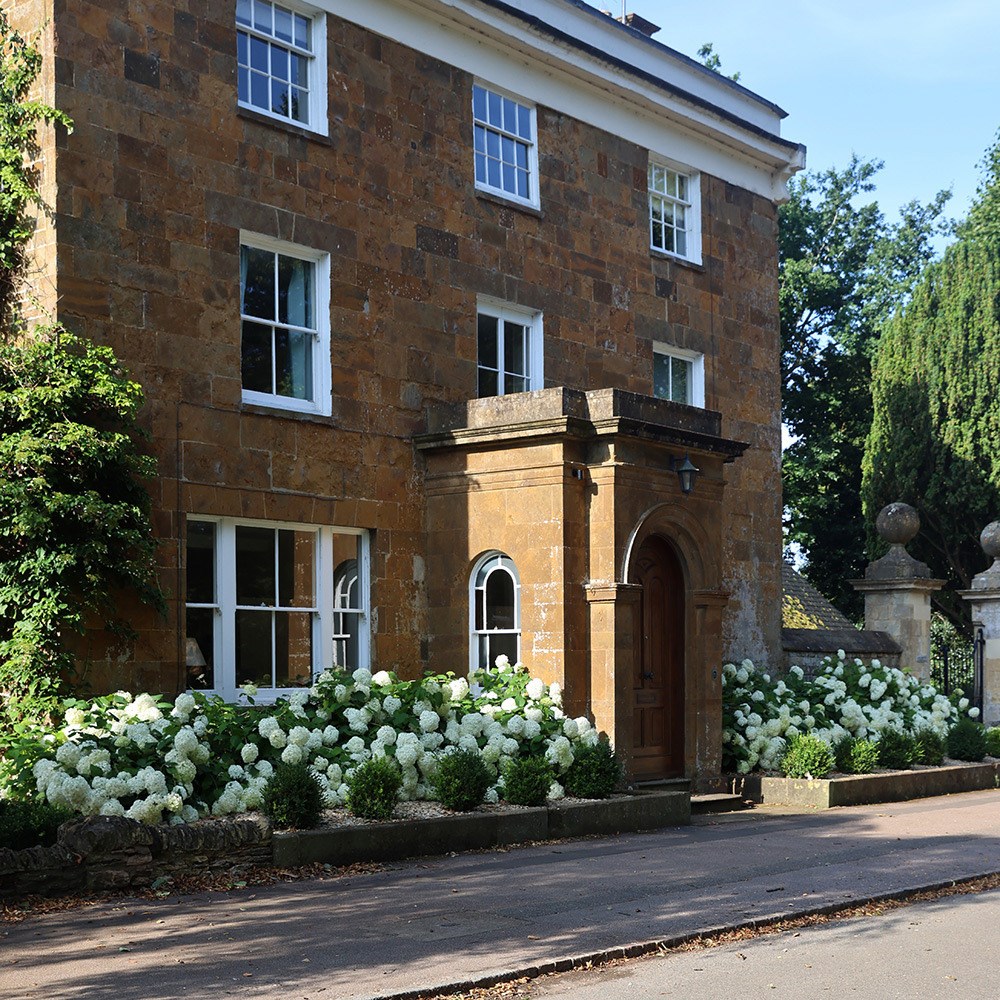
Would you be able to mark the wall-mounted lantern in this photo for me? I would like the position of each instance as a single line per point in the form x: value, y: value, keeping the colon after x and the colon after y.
x: 686, y: 472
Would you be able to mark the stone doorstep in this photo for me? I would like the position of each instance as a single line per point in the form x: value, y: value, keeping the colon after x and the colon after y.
x: 395, y: 841
x: 867, y: 789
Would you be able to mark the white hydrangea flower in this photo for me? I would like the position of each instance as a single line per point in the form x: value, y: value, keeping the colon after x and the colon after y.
x: 458, y: 688
x: 391, y: 704
x: 515, y: 725
x: 501, y: 662
x: 429, y: 721
x: 292, y: 754
x: 555, y: 693
x: 535, y: 689
x: 508, y: 705
x: 249, y: 753
x: 362, y: 676
x: 75, y: 718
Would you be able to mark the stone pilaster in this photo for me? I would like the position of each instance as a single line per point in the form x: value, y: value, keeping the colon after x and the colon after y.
x: 984, y: 598
x: 614, y: 616
x: 898, y: 590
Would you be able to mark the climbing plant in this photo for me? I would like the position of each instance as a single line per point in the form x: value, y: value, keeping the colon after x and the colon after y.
x: 20, y: 63
x: 75, y: 530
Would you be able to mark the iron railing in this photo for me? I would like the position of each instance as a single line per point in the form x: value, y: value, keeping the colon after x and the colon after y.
x: 959, y: 666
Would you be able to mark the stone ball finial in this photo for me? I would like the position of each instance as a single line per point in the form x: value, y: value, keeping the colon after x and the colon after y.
x: 990, y: 539
x: 898, y: 523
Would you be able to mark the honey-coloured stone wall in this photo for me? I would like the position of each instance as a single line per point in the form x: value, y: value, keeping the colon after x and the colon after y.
x: 163, y: 171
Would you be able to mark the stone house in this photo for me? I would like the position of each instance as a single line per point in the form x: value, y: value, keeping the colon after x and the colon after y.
x: 432, y: 301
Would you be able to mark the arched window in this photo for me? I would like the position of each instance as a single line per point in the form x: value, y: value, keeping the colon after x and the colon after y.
x: 346, y: 623
x: 495, y: 599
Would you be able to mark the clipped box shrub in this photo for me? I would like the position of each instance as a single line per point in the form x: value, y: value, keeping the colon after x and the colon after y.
x: 930, y: 747
x: 30, y: 823
x: 855, y: 756
x: 373, y: 788
x: 527, y: 781
x: 594, y: 773
x: 993, y: 741
x: 293, y: 798
x: 967, y: 741
x: 461, y: 780
x: 807, y: 757
x: 897, y: 750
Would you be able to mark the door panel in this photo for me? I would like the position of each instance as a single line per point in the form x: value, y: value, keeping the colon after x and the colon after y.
x: 658, y: 682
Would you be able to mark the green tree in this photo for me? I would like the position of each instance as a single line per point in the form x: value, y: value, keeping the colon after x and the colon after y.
x: 74, y: 517
x: 710, y: 59
x: 843, y: 269
x: 20, y: 62
x: 936, y: 419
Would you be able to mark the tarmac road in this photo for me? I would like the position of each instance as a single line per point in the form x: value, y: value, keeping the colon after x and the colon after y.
x: 940, y: 950
x: 445, y: 921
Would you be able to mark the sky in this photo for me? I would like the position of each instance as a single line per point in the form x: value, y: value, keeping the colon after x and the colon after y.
x: 913, y: 83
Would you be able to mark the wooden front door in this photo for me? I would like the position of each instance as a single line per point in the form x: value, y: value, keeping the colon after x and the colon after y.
x: 658, y: 682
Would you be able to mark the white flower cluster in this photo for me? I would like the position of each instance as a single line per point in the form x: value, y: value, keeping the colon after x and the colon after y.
x: 845, y: 698
x: 144, y: 759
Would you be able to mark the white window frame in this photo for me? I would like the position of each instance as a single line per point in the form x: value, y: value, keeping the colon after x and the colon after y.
x: 696, y: 383
x: 317, y: 101
x: 692, y: 206
x: 225, y: 606
x: 321, y: 401
x: 533, y: 200
x: 535, y: 355
x: 503, y: 564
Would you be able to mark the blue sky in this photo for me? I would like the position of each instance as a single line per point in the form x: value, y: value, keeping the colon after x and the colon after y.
x: 915, y: 83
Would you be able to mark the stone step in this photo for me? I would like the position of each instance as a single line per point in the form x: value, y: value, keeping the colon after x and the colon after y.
x: 717, y: 803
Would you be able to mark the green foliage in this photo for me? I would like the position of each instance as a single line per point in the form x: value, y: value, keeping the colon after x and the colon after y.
x: 855, y: 756
x: 710, y: 59
x: 897, y: 750
x: 30, y: 823
x: 461, y: 779
x: 373, y: 788
x: 807, y: 757
x: 967, y: 741
x: 594, y: 773
x: 993, y: 741
x: 293, y: 798
x: 20, y: 63
x: 842, y: 270
x: 74, y: 518
x: 936, y: 414
x: 930, y: 747
x: 527, y: 781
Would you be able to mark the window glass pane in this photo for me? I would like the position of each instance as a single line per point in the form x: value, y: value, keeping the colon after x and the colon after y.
x: 346, y: 641
x: 243, y: 11
x: 242, y: 48
x: 262, y: 15
x: 523, y: 188
x: 279, y: 98
x: 480, y: 168
x: 680, y: 239
x: 523, y: 122
x: 500, y: 600
x: 509, y: 182
x: 243, y: 85
x: 521, y: 155
x: 200, y: 575
x: 303, y: 28
x: 479, y: 103
x: 293, y: 649
x: 199, y: 648
x: 346, y: 560
x: 488, y: 384
x: 283, y: 24
x: 300, y: 105
x: 295, y: 291
x: 495, y: 103
x: 296, y: 569
x: 488, y: 355
x: 259, y: 91
x: 253, y: 648
x: 293, y: 364
x: 680, y: 380
x: 661, y: 375
x: 505, y: 644
x: 256, y: 357
x: 259, y: 54
x: 682, y: 187
x: 509, y: 115
x: 255, y: 582
x: 514, y: 337
x: 257, y: 279
x: 493, y: 144
x: 279, y: 62
x: 479, y: 138
x: 493, y: 173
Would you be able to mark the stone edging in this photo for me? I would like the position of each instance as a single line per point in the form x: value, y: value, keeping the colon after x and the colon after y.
x: 477, y: 831
x: 866, y: 789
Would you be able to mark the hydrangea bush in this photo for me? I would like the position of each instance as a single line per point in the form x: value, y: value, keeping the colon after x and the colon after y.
x: 761, y: 715
x: 153, y: 760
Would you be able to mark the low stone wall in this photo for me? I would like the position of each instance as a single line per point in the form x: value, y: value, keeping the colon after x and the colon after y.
x: 111, y: 852
x: 865, y: 789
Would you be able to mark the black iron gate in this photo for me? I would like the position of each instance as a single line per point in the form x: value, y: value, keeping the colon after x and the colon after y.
x: 959, y: 666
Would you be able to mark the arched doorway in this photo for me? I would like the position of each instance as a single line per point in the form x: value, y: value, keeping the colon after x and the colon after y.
x: 658, y: 678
